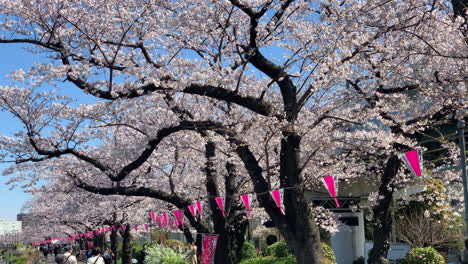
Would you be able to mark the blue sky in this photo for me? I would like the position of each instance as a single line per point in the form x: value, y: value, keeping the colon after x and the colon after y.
x: 13, y: 56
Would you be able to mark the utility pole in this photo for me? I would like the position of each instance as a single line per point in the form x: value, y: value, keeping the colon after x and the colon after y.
x: 461, y: 142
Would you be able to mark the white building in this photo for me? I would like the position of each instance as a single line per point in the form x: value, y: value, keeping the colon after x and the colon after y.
x: 10, y: 227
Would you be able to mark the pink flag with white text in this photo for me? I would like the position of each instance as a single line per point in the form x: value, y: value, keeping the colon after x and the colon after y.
x: 330, y: 184
x: 193, y: 210
x: 278, y: 198
x: 199, y: 208
x: 220, y: 203
x: 413, y: 159
x: 247, y: 199
x: 179, y: 215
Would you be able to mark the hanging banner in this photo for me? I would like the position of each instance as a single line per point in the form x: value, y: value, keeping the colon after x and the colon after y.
x: 136, y: 228
x: 193, y: 211
x: 220, y: 202
x: 165, y: 220
x: 330, y: 184
x: 208, y: 248
x: 153, y: 216
x: 414, y: 161
x: 247, y: 199
x: 114, y: 227
x: 278, y: 198
x: 159, y: 222
x: 123, y: 227
x: 179, y: 215
x: 146, y: 227
x: 199, y: 208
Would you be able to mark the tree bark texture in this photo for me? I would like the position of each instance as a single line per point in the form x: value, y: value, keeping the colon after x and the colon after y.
x: 231, y: 228
x: 127, y: 247
x: 114, y: 244
x: 382, y: 224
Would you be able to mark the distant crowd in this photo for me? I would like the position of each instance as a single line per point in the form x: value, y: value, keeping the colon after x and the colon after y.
x: 64, y: 255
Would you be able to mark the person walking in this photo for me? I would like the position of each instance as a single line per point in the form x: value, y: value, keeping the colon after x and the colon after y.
x: 108, y: 256
x: 193, y: 252
x: 96, y: 258
x: 68, y: 256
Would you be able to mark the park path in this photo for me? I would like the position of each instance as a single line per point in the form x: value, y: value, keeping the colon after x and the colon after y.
x: 51, y: 260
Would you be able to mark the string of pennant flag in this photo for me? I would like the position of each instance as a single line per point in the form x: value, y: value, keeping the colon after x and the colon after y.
x: 413, y: 159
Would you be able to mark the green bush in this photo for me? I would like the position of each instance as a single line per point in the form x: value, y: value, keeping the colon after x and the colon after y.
x: 248, y: 251
x: 270, y: 260
x: 424, y: 256
x: 19, y: 259
x: 279, y: 250
x: 328, y: 255
x: 164, y: 255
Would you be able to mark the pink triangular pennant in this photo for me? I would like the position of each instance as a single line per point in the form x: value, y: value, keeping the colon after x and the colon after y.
x: 146, y: 227
x: 193, y: 211
x: 413, y: 160
x: 199, y: 205
x: 123, y: 227
x: 179, y: 215
x: 247, y: 199
x: 159, y: 222
x: 220, y: 203
x: 278, y: 198
x: 136, y: 228
x: 165, y: 220
x: 329, y: 182
x: 153, y: 216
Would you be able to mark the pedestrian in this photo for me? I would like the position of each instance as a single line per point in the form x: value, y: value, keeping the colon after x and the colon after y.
x: 96, y: 258
x: 107, y: 255
x: 193, y: 252
x: 56, y: 250
x: 44, y: 251
x: 69, y: 258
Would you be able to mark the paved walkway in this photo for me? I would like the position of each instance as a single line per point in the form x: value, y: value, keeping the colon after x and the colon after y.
x: 51, y: 260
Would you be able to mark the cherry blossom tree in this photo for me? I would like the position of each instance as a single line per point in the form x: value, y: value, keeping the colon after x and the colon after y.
x: 306, y: 79
x: 61, y: 210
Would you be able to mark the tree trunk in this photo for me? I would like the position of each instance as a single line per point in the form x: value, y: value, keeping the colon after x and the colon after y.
x: 299, y: 228
x: 127, y: 247
x: 232, y: 227
x: 382, y: 224
x: 113, y: 245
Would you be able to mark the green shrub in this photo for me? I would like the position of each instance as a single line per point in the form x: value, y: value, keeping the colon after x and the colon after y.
x: 176, y: 244
x: 270, y: 260
x: 164, y: 255
x: 279, y: 250
x: 424, y: 256
x: 248, y: 251
x: 328, y: 255
x: 19, y: 259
